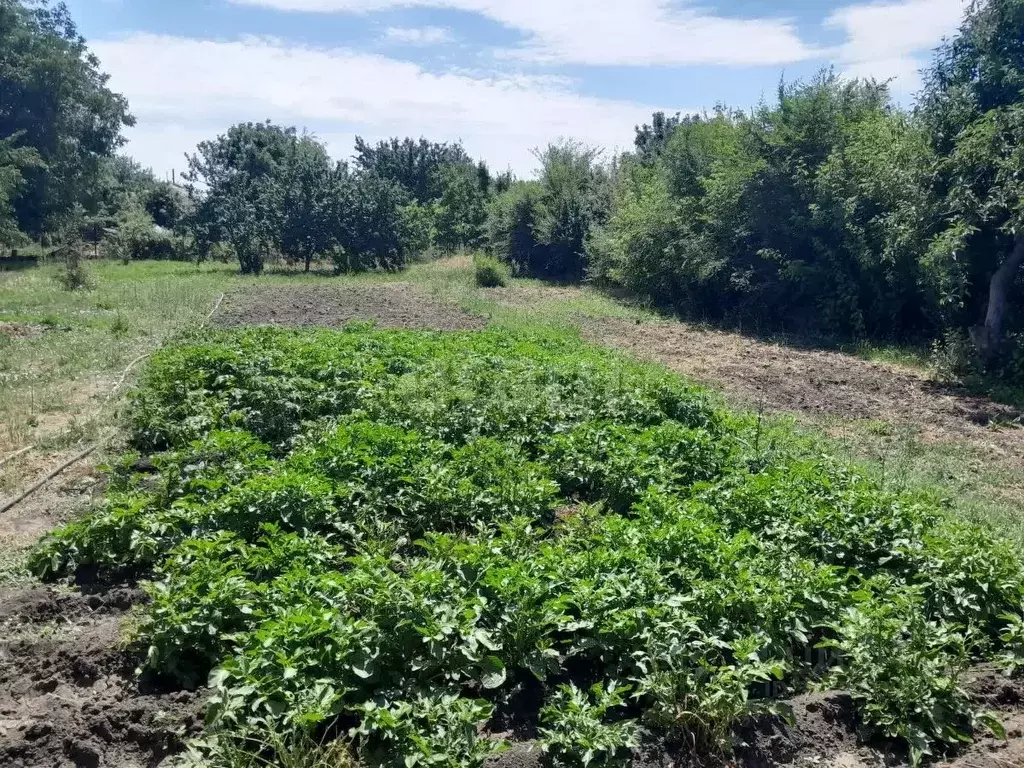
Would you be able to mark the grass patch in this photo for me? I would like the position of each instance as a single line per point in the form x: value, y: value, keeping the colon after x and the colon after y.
x: 383, y: 535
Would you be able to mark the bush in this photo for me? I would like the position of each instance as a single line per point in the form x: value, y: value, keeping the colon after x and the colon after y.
x: 490, y: 273
x: 136, y: 236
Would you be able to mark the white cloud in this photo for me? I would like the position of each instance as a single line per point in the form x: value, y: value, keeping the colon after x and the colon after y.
x: 606, y: 32
x: 183, y: 90
x: 894, y: 39
x: 417, y: 35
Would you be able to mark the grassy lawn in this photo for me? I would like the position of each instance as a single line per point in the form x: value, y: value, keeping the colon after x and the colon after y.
x: 61, y: 352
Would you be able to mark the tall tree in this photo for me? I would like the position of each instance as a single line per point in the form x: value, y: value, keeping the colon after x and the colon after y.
x: 311, y: 186
x: 416, y: 165
x: 13, y: 163
x: 461, y: 211
x: 238, y: 183
x: 54, y: 99
x: 974, y: 106
x: 652, y: 139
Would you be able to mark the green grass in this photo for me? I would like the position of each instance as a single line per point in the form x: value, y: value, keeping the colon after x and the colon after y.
x: 76, y: 343
x: 398, y: 529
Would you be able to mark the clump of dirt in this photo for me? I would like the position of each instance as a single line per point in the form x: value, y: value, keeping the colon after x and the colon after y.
x: 10, y: 330
x: 990, y: 687
x: 391, y: 305
x: 823, y: 731
x: 68, y: 690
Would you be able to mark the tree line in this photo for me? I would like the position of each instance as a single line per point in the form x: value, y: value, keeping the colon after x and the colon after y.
x: 263, y: 189
x: 830, y: 210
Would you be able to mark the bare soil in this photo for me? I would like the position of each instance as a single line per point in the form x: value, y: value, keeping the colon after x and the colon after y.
x: 21, y: 330
x: 818, y: 383
x: 389, y: 305
x: 68, y: 691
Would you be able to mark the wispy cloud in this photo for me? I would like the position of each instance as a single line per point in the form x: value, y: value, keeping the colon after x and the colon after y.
x: 418, y: 35
x: 609, y: 32
x: 894, y: 39
x: 184, y: 89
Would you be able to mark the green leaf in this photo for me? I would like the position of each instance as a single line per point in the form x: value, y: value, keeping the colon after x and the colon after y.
x: 492, y: 672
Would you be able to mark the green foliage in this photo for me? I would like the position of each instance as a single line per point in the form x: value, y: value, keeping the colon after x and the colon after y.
x: 573, y: 195
x: 575, y: 730
x: 811, y: 214
x: 490, y: 273
x: 427, y: 730
x: 313, y: 197
x: 344, y: 521
x: 376, y: 230
x: 136, y: 236
x: 242, y: 201
x: 14, y: 161
x: 460, y: 211
x: 57, y: 110
x: 905, y: 670
x: 511, y: 227
x: 418, y: 167
x: 541, y: 227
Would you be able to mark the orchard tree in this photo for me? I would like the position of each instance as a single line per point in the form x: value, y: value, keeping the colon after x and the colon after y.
x: 416, y: 165
x: 312, y: 189
x: 237, y: 182
x: 375, y: 229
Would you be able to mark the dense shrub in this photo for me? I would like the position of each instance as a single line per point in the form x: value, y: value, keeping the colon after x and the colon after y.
x: 378, y: 528
x: 490, y: 273
x: 542, y: 227
x: 511, y: 228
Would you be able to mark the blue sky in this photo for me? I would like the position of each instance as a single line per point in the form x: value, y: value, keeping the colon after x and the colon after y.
x: 502, y: 76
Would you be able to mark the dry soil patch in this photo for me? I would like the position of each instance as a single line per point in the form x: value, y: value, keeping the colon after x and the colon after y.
x: 818, y: 383
x: 68, y: 692
x: 389, y: 305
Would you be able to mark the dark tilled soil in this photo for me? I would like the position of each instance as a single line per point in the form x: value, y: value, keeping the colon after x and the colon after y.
x: 821, y: 384
x: 807, y: 380
x: 68, y: 692
x: 391, y: 305
x: 824, y: 731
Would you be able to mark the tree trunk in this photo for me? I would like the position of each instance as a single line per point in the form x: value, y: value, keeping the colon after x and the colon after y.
x: 309, y: 258
x: 988, y: 337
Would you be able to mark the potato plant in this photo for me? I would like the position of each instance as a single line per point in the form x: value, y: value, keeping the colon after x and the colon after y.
x: 380, y: 535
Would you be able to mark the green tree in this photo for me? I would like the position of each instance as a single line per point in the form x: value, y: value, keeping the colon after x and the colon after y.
x: 575, y: 194
x: 511, y: 227
x: 377, y: 233
x: 311, y: 188
x: 461, y: 211
x: 165, y: 203
x: 974, y: 107
x: 54, y: 99
x: 652, y: 139
x: 416, y: 165
x: 13, y: 163
x: 237, y: 182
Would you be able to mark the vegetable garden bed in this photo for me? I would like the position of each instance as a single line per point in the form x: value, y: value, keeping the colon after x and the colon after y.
x: 400, y: 541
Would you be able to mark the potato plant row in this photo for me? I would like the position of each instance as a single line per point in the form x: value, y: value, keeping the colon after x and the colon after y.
x: 400, y: 539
